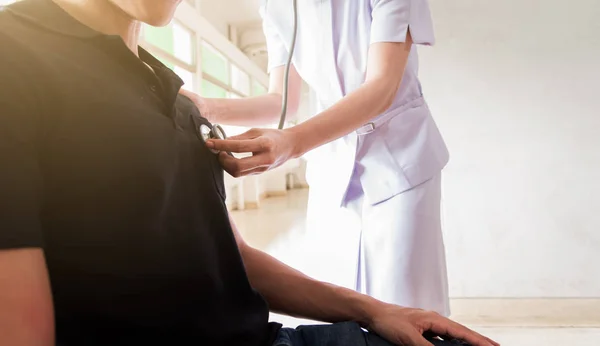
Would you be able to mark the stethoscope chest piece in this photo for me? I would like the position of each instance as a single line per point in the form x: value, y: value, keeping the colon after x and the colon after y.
x: 206, y: 134
x: 216, y: 132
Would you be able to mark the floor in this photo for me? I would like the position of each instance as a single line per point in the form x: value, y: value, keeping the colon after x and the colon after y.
x: 277, y: 228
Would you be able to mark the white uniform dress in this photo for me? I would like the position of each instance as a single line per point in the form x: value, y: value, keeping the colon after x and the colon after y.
x: 377, y: 190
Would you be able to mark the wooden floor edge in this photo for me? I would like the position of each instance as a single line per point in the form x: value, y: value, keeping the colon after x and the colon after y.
x: 542, y: 313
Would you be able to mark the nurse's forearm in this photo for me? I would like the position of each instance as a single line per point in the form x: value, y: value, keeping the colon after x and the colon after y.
x: 253, y: 111
x: 385, y: 69
x: 353, y: 111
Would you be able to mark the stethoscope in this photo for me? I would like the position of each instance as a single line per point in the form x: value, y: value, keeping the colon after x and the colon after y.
x: 216, y: 131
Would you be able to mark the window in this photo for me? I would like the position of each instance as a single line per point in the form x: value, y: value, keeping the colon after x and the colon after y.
x: 166, y: 62
x: 160, y: 37
x: 187, y: 77
x: 173, y: 39
x: 214, y: 63
x: 258, y: 89
x: 240, y: 80
x: 212, y: 90
x: 184, y: 44
x: 178, y: 48
x: 234, y: 130
x: 174, y: 46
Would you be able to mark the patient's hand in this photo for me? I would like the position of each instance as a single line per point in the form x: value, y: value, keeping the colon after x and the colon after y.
x: 404, y: 326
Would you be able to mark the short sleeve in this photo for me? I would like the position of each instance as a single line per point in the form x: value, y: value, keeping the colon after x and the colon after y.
x: 276, y: 50
x: 392, y: 19
x: 20, y: 176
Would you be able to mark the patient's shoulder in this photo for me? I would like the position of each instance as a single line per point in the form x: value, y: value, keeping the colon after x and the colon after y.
x: 18, y: 45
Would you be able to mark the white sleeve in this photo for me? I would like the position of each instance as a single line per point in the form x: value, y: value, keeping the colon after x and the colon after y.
x: 392, y: 19
x: 276, y: 50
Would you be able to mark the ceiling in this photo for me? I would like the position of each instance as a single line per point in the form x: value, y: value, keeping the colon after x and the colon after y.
x: 245, y: 22
x: 232, y: 11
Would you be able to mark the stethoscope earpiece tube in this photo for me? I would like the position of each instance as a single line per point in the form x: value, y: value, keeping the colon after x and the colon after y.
x: 217, y: 132
x: 286, y: 77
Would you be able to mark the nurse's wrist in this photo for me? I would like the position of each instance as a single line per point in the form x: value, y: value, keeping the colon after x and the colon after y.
x: 299, y: 139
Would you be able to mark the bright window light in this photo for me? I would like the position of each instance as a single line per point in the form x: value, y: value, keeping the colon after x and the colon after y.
x: 240, y: 80
x: 186, y: 76
x: 214, y: 63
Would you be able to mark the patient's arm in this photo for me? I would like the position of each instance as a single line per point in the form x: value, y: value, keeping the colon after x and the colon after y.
x: 293, y: 293
x: 290, y: 292
x: 26, y: 313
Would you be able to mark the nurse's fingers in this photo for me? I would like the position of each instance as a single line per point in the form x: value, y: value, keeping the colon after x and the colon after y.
x: 243, y: 166
x: 239, y: 146
x: 250, y: 134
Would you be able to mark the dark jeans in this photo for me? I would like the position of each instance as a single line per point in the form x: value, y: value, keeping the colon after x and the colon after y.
x: 340, y: 334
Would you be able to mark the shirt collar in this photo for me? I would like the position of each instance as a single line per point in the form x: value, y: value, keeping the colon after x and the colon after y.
x: 50, y: 16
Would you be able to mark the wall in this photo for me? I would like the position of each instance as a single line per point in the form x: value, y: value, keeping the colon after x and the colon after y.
x: 514, y: 86
x: 215, y: 13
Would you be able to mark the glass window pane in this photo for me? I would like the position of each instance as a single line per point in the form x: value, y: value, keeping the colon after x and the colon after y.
x: 183, y: 45
x: 166, y: 62
x: 240, y: 80
x: 214, y: 63
x: 211, y: 90
x: 234, y: 130
x: 186, y: 76
x: 160, y: 37
x: 258, y: 89
x: 173, y: 39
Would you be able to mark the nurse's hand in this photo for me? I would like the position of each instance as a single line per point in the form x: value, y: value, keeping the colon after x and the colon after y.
x: 270, y: 148
x: 406, y: 326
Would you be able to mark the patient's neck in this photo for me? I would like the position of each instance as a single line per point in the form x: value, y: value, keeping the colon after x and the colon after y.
x: 104, y: 17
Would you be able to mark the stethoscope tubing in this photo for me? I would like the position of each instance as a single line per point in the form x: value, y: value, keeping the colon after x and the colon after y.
x: 217, y: 131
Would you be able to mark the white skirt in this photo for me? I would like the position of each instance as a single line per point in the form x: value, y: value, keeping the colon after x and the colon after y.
x: 392, y: 251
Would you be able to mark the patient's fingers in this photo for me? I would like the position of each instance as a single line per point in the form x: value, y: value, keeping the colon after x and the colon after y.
x: 444, y: 326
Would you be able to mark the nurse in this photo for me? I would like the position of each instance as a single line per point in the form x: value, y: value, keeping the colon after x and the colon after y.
x: 376, y: 154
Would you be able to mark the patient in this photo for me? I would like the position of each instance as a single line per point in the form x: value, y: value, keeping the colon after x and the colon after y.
x: 113, y: 226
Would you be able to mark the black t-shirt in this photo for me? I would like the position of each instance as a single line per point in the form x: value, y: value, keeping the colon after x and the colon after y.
x: 103, y: 168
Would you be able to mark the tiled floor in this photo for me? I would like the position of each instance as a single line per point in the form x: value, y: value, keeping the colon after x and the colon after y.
x: 278, y: 228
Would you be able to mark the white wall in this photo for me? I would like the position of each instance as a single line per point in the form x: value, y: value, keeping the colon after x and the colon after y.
x: 515, y: 88
x: 215, y: 11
